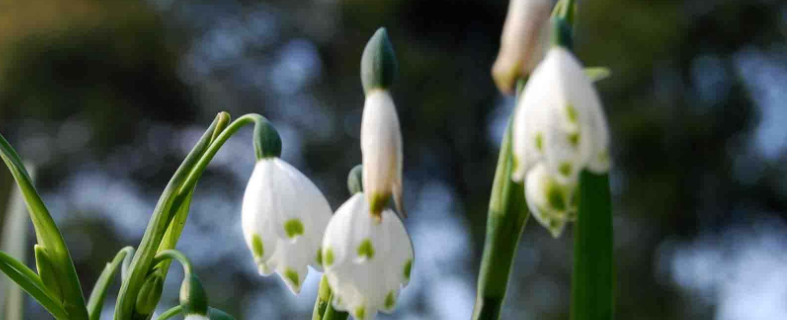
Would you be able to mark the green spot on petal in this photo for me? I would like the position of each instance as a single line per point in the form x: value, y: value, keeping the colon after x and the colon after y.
x: 292, y: 275
x: 572, y: 114
x: 360, y: 313
x: 365, y: 249
x: 377, y: 202
x: 319, y: 256
x: 407, y: 269
x: 388, y: 303
x: 258, y: 246
x: 539, y: 141
x: 565, y: 168
x: 555, y: 196
x: 574, y: 139
x: 329, y: 258
x: 293, y: 228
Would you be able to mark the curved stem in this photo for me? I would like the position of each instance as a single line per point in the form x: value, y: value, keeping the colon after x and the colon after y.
x: 174, y: 311
x: 176, y: 255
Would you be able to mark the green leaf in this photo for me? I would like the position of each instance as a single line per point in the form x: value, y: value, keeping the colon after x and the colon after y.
x: 47, y: 235
x: 14, y: 242
x: 597, y: 73
x: 30, y: 282
x: 46, y: 272
x: 96, y: 299
x: 593, y: 256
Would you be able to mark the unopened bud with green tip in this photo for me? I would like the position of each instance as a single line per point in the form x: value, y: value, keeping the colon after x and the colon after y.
x: 193, y: 298
x: 46, y: 271
x: 378, y: 62
x: 150, y: 294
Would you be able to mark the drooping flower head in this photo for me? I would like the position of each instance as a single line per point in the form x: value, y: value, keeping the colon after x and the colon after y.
x: 367, y: 260
x: 523, y: 43
x: 559, y: 130
x: 381, y: 141
x: 284, y: 216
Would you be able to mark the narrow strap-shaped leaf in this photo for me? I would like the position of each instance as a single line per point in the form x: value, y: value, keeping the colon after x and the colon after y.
x: 47, y: 234
x: 30, y: 282
x: 593, y: 256
x: 141, y: 263
x: 15, y: 243
x: 95, y: 304
x: 46, y: 272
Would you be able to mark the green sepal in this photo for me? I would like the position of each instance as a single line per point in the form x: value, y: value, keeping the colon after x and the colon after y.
x: 355, y: 179
x: 266, y: 140
x: 378, y: 62
x: 46, y: 273
x: 597, y: 73
x: 149, y: 295
x: 561, y: 33
x: 192, y: 296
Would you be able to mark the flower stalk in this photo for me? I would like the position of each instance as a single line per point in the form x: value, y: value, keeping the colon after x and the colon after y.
x: 508, y: 214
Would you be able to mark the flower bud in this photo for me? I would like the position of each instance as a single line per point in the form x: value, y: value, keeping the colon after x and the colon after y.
x: 378, y: 63
x: 193, y: 297
x: 149, y: 294
x: 523, y: 43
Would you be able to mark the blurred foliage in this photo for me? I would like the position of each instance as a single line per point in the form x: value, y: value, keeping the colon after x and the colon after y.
x: 684, y: 164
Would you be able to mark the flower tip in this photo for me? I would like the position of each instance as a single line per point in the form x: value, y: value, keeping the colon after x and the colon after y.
x: 378, y: 62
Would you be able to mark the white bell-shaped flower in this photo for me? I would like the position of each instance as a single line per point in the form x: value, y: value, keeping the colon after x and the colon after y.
x: 559, y: 130
x: 559, y: 121
x: 382, y: 151
x: 367, y: 259
x: 284, y: 216
x: 195, y: 317
x: 523, y: 43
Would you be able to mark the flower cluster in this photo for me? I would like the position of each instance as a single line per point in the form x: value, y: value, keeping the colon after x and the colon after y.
x: 365, y: 249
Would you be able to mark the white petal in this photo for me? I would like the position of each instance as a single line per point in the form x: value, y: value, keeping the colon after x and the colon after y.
x: 381, y: 146
x: 366, y: 259
x: 524, y: 40
x: 288, y: 214
x: 550, y: 202
x: 195, y: 317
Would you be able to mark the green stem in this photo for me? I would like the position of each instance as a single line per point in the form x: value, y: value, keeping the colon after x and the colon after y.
x: 162, y: 215
x: 593, y: 260
x: 47, y: 235
x: 98, y: 296
x: 174, y: 311
x: 323, y: 299
x: 507, y: 216
x: 167, y: 255
x: 333, y: 314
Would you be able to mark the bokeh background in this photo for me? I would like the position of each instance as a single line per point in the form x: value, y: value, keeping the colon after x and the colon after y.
x: 106, y: 97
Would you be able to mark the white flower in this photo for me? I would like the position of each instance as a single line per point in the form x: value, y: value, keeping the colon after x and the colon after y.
x: 195, y: 317
x: 523, y: 43
x: 559, y: 130
x: 367, y: 259
x: 382, y: 151
x: 283, y: 218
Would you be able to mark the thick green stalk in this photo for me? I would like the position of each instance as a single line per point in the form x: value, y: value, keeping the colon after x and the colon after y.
x: 162, y: 215
x: 593, y: 256
x: 48, y: 237
x: 333, y: 314
x: 96, y: 299
x: 323, y: 299
x: 507, y: 216
x: 172, y: 312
